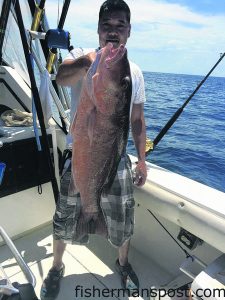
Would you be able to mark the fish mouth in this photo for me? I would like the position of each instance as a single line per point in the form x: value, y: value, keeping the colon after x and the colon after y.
x: 115, y: 54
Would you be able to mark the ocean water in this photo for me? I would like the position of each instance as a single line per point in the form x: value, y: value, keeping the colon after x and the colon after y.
x: 195, y: 145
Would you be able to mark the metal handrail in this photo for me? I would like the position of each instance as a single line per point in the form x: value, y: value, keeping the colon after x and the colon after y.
x: 24, y: 267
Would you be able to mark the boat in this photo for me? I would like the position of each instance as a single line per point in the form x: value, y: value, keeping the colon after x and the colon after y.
x: 178, y: 246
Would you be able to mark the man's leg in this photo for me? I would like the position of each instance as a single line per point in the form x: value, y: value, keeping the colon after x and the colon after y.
x: 58, y: 250
x: 123, y: 253
x: 51, y: 284
x: 129, y: 279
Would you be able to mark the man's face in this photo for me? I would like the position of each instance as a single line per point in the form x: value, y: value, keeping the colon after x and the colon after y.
x: 114, y: 28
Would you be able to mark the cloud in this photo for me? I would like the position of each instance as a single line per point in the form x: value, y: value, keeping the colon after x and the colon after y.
x: 156, y: 26
x: 154, y: 23
x: 162, y: 22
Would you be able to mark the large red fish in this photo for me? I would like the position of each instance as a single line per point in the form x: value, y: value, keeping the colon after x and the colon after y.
x: 101, y: 125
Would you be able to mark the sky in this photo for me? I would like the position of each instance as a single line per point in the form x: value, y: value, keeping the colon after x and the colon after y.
x: 171, y: 36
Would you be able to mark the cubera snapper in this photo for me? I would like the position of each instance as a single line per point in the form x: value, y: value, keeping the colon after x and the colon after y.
x: 101, y: 126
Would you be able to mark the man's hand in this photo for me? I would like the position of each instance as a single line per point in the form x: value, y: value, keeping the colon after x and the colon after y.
x: 139, y: 136
x: 140, y: 173
x: 91, y: 56
x: 71, y: 71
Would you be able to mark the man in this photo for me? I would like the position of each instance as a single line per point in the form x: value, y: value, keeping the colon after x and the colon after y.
x: 113, y: 27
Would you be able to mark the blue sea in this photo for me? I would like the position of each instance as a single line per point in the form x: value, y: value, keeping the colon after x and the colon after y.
x: 195, y: 145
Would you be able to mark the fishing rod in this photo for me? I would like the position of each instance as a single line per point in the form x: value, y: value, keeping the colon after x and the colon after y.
x: 39, y: 24
x: 64, y: 14
x: 38, y: 14
x: 53, y: 51
x: 48, y: 37
x: 150, y: 145
x: 36, y: 98
x: 58, y: 39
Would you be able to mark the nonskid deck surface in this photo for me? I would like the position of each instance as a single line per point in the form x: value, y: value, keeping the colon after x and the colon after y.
x: 89, y: 272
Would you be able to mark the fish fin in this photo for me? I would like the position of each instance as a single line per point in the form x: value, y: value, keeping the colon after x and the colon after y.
x: 126, y: 83
x: 91, y: 124
x: 92, y: 70
x: 73, y: 123
x: 112, y: 174
x: 95, y: 93
x: 98, y: 93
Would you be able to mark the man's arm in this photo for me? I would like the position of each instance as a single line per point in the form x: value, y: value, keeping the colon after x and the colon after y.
x: 139, y: 136
x: 71, y: 71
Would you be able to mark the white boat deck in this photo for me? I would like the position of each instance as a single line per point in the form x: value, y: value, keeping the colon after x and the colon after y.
x: 89, y: 267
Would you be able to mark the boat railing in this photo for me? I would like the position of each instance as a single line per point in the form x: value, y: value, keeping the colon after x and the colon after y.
x: 19, y: 259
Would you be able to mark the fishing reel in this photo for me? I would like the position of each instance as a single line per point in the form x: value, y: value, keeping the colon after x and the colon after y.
x: 58, y: 38
x: 55, y: 38
x: 149, y: 146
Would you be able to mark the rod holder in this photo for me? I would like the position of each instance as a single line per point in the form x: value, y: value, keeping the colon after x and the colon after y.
x: 37, y: 35
x: 51, y: 60
x: 37, y: 18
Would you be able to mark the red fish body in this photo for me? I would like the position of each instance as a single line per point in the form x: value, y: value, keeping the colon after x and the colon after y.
x: 100, y: 128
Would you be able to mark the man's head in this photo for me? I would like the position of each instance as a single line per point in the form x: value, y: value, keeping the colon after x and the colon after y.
x: 114, y: 23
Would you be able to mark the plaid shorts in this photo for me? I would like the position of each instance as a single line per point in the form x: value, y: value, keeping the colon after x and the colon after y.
x: 115, y: 222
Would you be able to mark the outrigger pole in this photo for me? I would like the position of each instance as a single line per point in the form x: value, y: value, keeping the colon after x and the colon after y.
x: 36, y: 98
x: 150, y: 146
